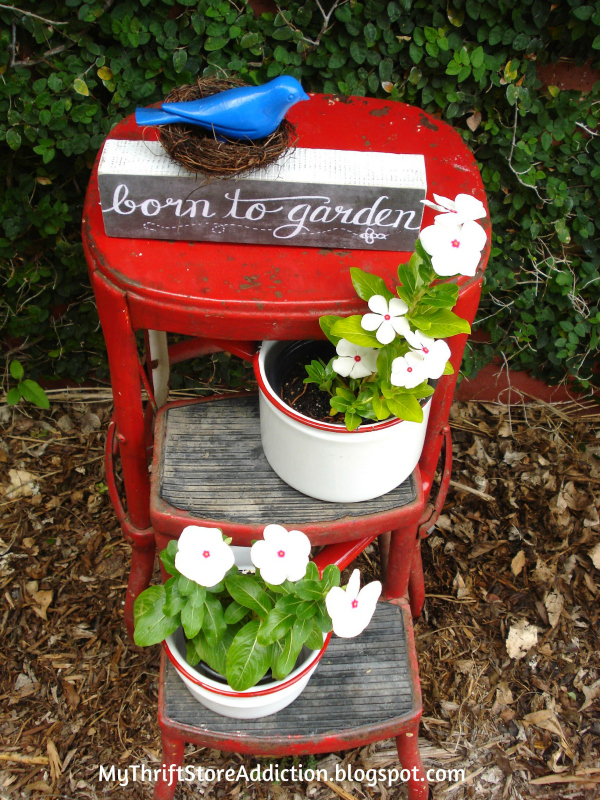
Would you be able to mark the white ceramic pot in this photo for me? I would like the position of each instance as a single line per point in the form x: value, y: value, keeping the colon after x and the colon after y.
x: 260, y: 701
x: 326, y: 461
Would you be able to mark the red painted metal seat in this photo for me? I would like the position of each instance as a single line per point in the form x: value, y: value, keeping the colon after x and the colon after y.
x: 225, y: 296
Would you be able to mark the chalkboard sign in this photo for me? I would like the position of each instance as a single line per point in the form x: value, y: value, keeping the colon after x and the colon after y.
x: 313, y: 198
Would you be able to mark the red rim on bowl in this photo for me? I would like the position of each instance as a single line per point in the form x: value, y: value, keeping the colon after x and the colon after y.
x: 260, y: 693
x: 313, y: 423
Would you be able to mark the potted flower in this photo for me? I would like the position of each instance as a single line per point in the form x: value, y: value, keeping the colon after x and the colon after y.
x: 227, y: 631
x: 353, y: 426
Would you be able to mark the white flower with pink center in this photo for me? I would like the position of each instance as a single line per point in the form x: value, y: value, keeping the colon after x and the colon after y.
x: 281, y: 555
x: 387, y: 319
x: 352, y: 608
x: 454, y: 250
x: 354, y: 361
x: 464, y: 208
x: 203, y: 556
x: 409, y: 371
x: 435, y: 353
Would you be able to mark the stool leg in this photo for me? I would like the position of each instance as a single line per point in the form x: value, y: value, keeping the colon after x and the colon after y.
x: 142, y: 567
x: 410, y: 759
x: 165, y: 786
x: 399, y: 562
x: 416, y: 583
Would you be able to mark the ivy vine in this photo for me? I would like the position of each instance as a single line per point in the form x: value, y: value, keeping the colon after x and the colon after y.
x: 71, y: 69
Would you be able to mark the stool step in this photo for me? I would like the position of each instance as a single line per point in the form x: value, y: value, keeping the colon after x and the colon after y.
x: 359, y: 683
x: 214, y: 467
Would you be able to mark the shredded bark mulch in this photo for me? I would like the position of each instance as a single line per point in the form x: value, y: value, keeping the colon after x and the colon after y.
x: 508, y: 644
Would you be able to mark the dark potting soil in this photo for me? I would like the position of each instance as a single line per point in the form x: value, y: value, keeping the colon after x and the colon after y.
x: 307, y: 398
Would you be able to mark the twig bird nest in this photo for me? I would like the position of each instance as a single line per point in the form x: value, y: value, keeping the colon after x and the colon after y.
x: 198, y: 150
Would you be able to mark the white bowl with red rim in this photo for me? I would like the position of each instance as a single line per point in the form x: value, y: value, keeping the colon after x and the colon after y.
x: 259, y: 701
x: 324, y: 460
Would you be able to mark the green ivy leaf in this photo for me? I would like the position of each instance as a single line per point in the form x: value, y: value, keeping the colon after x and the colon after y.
x: 81, y: 87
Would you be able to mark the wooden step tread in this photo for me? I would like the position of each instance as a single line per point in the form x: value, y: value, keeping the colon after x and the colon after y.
x: 214, y: 467
x: 359, y: 682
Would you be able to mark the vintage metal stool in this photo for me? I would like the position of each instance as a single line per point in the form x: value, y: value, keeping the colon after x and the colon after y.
x: 208, y: 466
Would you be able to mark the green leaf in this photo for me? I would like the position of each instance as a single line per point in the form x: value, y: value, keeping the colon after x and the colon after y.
x: 192, y: 617
x: 287, y: 655
x: 13, y: 139
x: 152, y: 625
x: 81, y: 87
x: 174, y: 601
x: 216, y: 656
x: 16, y: 370
x: 309, y: 590
x: 315, y: 638
x: 33, y: 392
x: 247, y: 660
x: 440, y: 323
x: 331, y: 577
x: 352, y: 420
x: 312, y: 572
x: 185, y: 585
x: 234, y: 613
x: 444, y: 295
x: 327, y: 322
x: 448, y: 369
x: 197, y: 596
x: 167, y: 557
x: 179, y: 60
x: 13, y: 396
x: 276, y: 625
x: 307, y: 609
x: 214, y: 624
x: 246, y: 590
x: 351, y: 329
x: 287, y: 587
x: 405, y: 406
x: 366, y: 285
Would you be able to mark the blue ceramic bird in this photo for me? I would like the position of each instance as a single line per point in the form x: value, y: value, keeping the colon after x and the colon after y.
x: 246, y: 112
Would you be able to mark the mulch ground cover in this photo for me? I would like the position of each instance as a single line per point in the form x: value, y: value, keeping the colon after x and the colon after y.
x: 508, y: 643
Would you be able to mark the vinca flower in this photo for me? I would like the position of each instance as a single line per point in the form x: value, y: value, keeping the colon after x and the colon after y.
x: 351, y: 610
x: 435, y: 353
x: 203, y: 556
x: 355, y: 361
x: 454, y: 250
x: 387, y: 319
x: 463, y: 208
x: 281, y: 555
x: 409, y: 371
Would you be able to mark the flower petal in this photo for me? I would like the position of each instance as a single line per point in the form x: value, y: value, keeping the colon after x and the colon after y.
x: 337, y: 602
x: 473, y: 233
x: 444, y: 201
x: 397, y: 307
x: 400, y: 325
x: 353, y: 585
x: 469, y: 207
x: 345, y: 348
x: 378, y: 304
x: 300, y: 542
x: 370, y: 322
x: 273, y: 533
x: 370, y: 360
x: 360, y: 370
x: 343, y: 366
x: 385, y: 333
